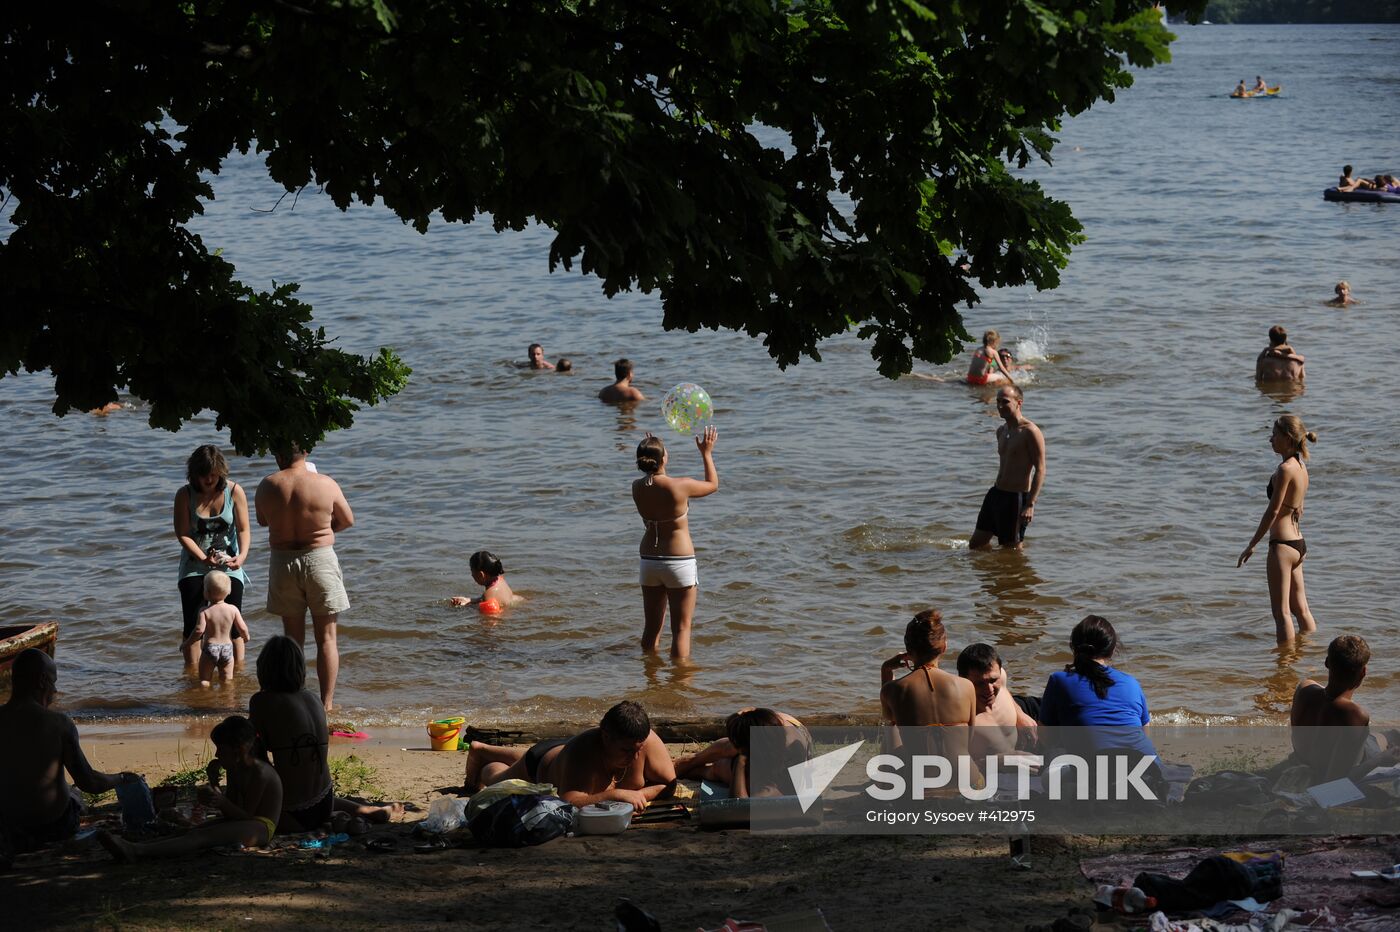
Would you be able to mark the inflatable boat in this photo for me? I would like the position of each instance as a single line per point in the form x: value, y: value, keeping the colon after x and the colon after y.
x: 1332, y: 194
x: 1271, y: 92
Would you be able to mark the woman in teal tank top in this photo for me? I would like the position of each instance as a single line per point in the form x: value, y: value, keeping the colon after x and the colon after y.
x: 211, y: 523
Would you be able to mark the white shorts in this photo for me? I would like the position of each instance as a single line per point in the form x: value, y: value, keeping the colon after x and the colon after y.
x: 671, y: 572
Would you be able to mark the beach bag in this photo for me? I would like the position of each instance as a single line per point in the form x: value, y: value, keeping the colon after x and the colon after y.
x: 137, y: 804
x: 1228, y: 788
x: 521, y: 820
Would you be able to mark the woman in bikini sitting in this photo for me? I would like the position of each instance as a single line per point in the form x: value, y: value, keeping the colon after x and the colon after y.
x: 986, y: 367
x: 1287, y: 548
x: 292, y: 725
x: 668, y: 571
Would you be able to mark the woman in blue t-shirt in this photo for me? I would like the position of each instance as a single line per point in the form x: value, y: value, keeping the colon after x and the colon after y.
x: 1091, y: 693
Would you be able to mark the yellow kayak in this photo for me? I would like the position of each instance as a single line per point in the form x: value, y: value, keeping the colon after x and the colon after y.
x: 1271, y: 92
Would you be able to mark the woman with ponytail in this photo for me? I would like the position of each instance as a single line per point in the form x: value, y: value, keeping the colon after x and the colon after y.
x: 1286, y: 490
x: 1092, y: 693
x: 668, y: 571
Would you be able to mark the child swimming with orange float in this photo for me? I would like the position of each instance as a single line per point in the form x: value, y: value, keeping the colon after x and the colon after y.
x: 488, y: 573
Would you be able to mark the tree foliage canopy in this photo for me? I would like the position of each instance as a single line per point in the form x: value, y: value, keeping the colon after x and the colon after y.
x: 627, y: 128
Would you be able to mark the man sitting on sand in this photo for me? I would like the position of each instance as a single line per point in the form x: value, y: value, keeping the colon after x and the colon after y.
x: 37, y: 806
x: 999, y: 716
x: 622, y: 759
x: 1335, y: 752
x: 621, y: 391
x: 1278, y: 362
x: 926, y: 695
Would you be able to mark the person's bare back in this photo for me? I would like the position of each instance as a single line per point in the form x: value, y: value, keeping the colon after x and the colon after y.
x: 301, y: 509
x: 929, y: 696
x: 1279, y: 364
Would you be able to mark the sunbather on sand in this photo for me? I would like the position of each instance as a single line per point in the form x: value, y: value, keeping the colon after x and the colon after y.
x: 1336, y: 752
x: 622, y: 759
x: 727, y: 760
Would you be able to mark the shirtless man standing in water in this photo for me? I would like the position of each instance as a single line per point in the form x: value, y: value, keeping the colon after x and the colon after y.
x: 927, y: 695
x: 1010, y: 504
x: 302, y: 511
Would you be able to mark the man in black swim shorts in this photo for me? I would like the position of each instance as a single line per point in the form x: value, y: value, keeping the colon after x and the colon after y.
x: 1009, y: 505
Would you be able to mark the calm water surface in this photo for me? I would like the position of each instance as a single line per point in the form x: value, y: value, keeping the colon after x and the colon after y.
x: 847, y: 499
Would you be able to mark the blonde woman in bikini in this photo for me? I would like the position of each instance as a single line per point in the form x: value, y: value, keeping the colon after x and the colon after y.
x: 1287, y: 548
x: 668, y: 571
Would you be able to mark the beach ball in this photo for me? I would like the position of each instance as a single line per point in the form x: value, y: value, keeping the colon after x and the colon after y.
x: 687, y: 408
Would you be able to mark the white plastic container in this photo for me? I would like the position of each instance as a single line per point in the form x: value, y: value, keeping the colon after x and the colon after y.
x: 606, y: 818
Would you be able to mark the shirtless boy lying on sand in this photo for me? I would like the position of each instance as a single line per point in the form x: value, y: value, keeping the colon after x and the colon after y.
x: 622, y: 759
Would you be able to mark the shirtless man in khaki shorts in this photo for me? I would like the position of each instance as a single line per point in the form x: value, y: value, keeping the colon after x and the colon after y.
x: 302, y: 510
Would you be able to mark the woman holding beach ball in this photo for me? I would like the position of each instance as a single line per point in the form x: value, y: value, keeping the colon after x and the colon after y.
x: 668, y: 572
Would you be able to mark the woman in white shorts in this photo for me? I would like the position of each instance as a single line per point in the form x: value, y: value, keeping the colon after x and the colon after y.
x: 668, y: 573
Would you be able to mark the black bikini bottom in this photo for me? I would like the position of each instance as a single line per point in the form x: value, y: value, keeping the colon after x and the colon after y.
x: 1299, y: 545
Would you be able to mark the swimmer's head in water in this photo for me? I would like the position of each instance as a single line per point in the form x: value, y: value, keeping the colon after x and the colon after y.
x: 206, y: 461
x: 991, y: 338
x: 564, y: 365
x: 1292, y: 437
x: 486, y: 564
x: 1277, y: 335
x: 651, y: 455
x: 536, y: 353
x: 281, y: 666
x: 925, y: 637
x: 1348, y: 655
x: 622, y: 369
x: 1343, y: 289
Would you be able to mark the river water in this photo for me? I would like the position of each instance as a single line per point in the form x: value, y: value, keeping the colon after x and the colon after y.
x: 846, y: 499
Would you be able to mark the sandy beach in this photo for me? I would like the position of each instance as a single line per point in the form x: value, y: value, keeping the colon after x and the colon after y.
x: 685, y: 877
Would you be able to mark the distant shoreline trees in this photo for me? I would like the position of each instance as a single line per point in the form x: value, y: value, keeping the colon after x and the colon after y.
x: 1264, y: 12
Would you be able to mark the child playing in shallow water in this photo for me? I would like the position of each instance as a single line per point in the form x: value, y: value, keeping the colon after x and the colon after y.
x: 215, y: 626
x: 488, y: 573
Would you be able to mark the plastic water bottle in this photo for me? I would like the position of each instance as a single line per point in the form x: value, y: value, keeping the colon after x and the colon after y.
x: 1125, y: 900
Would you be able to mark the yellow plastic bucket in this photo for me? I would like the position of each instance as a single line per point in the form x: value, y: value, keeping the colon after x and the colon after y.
x: 445, y: 733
